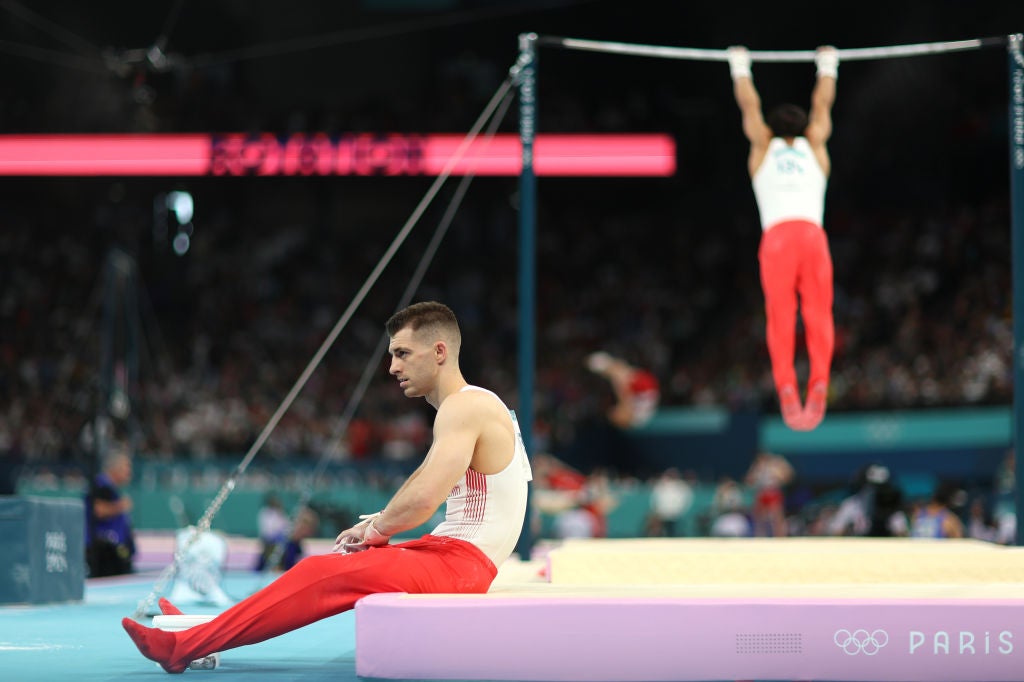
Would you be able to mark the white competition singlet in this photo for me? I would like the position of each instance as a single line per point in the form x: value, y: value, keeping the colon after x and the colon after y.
x: 488, y: 510
x: 789, y: 184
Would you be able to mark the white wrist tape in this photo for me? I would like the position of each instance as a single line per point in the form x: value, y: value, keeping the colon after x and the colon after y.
x: 739, y: 62
x: 372, y: 536
x: 827, y: 61
x: 367, y: 519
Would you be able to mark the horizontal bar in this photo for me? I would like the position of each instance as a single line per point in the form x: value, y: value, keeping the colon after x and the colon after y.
x: 700, y: 54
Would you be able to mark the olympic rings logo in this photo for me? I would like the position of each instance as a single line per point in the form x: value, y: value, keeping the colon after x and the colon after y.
x: 861, y: 641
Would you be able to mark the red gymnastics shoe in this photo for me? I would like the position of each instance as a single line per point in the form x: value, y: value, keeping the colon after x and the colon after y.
x: 817, y: 403
x: 167, y: 608
x: 789, y: 405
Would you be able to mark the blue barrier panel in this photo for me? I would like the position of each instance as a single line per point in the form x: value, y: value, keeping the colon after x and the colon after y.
x: 42, y: 540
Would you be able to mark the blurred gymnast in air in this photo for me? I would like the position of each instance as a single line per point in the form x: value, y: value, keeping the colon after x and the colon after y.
x: 637, y: 392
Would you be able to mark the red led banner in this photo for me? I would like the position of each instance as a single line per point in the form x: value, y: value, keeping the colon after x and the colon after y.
x: 319, y: 154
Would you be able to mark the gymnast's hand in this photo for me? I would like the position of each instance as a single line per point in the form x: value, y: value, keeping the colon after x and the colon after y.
x: 360, y: 536
x: 739, y: 61
x: 826, y: 58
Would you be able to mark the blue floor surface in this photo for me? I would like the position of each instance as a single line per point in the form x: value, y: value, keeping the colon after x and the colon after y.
x: 84, y: 641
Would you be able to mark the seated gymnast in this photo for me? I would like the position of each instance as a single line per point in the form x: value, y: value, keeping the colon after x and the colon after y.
x: 477, y: 463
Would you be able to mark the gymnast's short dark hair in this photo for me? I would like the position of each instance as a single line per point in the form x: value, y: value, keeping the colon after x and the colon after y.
x: 787, y: 120
x: 424, y: 314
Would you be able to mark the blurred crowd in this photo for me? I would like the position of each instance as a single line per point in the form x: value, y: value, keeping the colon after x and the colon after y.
x: 205, y: 346
x: 769, y: 501
x: 922, y: 315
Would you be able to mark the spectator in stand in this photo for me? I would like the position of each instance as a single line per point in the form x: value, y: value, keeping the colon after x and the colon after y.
x: 981, y: 524
x: 109, y: 536
x: 671, y: 498
x: 874, y: 508
x: 273, y: 526
x: 287, y: 553
x: 728, y: 511
x: 578, y: 521
x: 938, y: 517
x: 768, y: 475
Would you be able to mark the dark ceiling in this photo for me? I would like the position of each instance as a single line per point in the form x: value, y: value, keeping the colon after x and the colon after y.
x: 89, y: 66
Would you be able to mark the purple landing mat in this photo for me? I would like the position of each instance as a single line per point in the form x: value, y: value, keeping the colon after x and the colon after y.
x: 605, y: 639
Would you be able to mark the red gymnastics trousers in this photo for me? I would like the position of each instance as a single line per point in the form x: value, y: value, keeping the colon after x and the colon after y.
x: 795, y: 260
x: 318, y: 587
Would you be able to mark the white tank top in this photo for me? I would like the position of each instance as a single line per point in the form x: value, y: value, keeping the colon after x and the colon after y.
x: 789, y: 184
x: 488, y: 510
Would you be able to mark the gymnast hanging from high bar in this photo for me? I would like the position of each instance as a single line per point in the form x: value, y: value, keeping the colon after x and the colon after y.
x: 789, y: 167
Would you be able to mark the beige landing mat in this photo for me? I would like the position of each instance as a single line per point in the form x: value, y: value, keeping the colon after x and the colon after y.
x: 784, y: 561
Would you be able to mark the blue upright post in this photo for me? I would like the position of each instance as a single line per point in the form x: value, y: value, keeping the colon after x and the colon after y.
x: 527, y: 267
x: 1017, y: 228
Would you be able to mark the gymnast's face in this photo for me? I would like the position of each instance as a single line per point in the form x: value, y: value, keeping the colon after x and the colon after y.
x: 415, y: 361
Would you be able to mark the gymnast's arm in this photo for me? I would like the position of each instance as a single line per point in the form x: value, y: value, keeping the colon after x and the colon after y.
x: 749, y: 102
x: 819, y: 125
x: 457, y: 429
x: 356, y: 534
